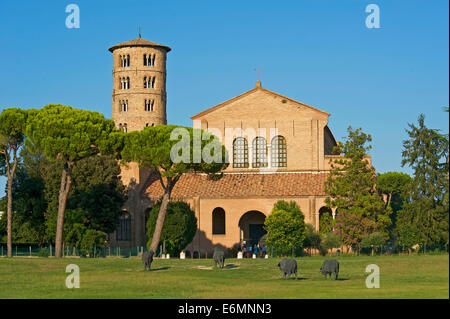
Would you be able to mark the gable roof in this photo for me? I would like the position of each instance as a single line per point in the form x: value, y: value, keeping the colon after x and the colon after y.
x: 214, y: 108
x: 244, y: 185
x: 139, y: 42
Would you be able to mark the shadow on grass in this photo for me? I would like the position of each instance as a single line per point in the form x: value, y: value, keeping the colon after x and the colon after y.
x: 293, y: 278
x: 157, y: 269
x: 230, y: 266
x: 339, y: 279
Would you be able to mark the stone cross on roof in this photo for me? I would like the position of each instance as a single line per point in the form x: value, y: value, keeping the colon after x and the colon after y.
x: 258, y: 83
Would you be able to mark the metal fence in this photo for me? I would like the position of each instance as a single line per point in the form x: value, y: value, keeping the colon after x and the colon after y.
x: 34, y: 251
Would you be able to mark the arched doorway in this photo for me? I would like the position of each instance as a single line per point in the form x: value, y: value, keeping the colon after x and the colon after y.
x: 251, y: 226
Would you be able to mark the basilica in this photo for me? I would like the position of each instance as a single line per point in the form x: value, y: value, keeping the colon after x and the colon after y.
x: 279, y: 149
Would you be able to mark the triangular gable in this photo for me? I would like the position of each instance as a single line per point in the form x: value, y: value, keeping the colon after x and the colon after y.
x: 214, y: 108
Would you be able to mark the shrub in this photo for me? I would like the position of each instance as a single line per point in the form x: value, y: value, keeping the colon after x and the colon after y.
x: 92, y: 239
x: 373, y: 240
x: 329, y: 241
x: 180, y: 226
x: 43, y: 252
x: 285, y: 227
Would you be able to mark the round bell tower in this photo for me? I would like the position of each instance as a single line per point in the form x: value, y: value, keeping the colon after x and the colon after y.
x: 139, y: 84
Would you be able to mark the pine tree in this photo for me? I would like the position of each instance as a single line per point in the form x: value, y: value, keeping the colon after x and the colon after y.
x: 351, y: 188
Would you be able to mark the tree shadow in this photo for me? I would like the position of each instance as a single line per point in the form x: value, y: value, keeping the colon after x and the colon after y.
x: 202, y: 247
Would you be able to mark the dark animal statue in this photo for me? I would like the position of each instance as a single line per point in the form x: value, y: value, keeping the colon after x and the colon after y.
x: 330, y: 267
x: 288, y: 267
x: 147, y: 258
x: 219, y: 258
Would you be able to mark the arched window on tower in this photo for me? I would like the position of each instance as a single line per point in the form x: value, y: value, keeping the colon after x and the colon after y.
x: 240, y: 153
x: 278, y: 152
x: 218, y: 221
x: 124, y: 127
x: 259, y: 149
x: 123, y: 232
x: 124, y: 104
x: 149, y: 82
x: 149, y: 60
x: 149, y: 105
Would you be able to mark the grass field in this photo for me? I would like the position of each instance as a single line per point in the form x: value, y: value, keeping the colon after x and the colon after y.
x: 400, y: 277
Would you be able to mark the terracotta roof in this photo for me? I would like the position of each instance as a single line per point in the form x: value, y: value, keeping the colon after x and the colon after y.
x: 218, y: 106
x: 244, y: 185
x: 139, y: 42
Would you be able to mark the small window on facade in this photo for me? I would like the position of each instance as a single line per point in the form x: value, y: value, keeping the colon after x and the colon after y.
x: 218, y: 221
x: 240, y: 153
x: 278, y: 152
x: 124, y: 127
x: 259, y: 152
x: 123, y: 232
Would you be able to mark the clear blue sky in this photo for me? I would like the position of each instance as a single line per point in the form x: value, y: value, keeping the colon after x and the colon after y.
x: 318, y: 52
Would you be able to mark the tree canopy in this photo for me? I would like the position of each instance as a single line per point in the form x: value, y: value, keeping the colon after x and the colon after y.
x: 170, y: 151
x: 69, y: 135
x: 425, y: 216
x: 351, y: 188
x: 285, y: 227
x: 179, y: 228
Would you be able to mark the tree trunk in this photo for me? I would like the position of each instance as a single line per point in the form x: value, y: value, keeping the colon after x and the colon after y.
x: 9, y: 211
x: 160, y: 221
x: 9, y: 217
x: 62, y: 201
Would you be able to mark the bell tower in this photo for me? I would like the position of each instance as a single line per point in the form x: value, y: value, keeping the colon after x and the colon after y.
x: 139, y: 84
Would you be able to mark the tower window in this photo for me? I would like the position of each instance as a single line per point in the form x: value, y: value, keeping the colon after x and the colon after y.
x: 149, y: 105
x: 124, y: 60
x: 125, y: 83
x: 149, y: 59
x: 124, y: 127
x: 149, y: 82
x: 124, y: 105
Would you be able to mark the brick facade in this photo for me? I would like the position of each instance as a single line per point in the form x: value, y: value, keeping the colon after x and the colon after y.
x: 246, y: 194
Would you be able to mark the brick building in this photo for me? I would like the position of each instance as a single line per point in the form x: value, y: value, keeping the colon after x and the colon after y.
x: 279, y: 149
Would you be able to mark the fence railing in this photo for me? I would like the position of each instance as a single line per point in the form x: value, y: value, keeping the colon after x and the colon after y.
x: 34, y: 251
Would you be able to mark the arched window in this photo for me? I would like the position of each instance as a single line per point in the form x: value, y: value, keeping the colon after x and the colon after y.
x: 240, y: 153
x: 124, y: 105
x: 124, y: 127
x: 259, y: 152
x: 149, y: 105
x: 278, y: 152
x: 123, y: 232
x: 218, y: 221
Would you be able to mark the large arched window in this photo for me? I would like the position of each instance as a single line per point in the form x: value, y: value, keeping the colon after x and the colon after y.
x: 259, y: 152
x: 123, y: 232
x: 218, y: 221
x: 278, y: 152
x: 240, y: 153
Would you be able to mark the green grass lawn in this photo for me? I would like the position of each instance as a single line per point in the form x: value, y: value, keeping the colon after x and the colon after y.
x: 400, y: 277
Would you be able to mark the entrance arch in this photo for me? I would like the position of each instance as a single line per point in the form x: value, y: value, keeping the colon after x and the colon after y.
x: 251, y: 227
